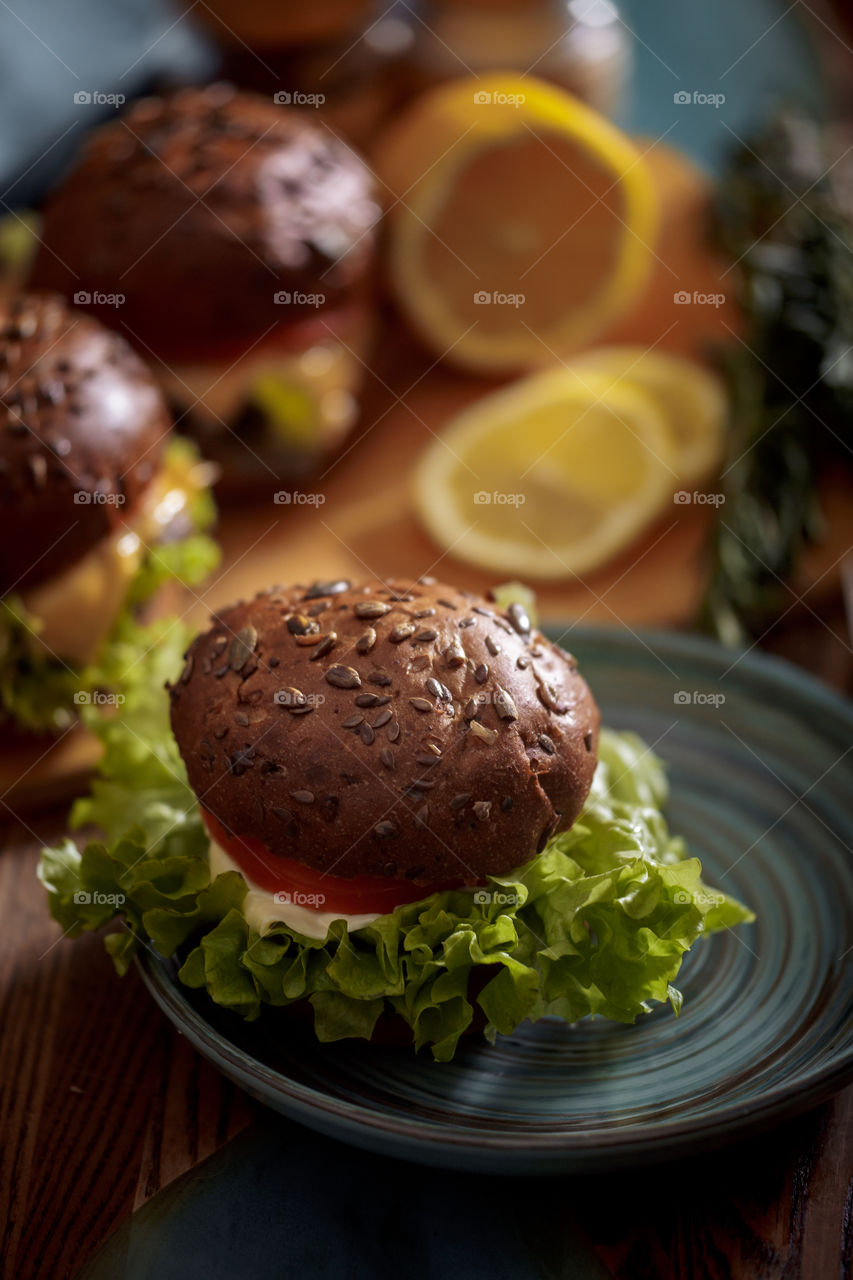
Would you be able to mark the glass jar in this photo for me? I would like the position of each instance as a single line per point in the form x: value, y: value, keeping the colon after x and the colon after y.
x: 580, y: 45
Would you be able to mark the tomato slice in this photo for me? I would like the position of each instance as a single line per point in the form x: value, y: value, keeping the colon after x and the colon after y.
x: 317, y: 890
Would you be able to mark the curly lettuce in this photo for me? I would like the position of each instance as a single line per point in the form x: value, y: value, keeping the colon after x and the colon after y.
x: 41, y: 693
x: 597, y: 924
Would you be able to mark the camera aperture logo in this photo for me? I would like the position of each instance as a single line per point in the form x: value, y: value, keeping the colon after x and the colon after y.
x: 314, y: 901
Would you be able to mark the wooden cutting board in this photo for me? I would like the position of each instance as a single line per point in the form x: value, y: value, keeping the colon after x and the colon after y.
x: 364, y: 524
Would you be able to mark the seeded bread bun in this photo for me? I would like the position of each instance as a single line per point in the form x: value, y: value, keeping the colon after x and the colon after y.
x: 414, y: 732
x: 82, y: 424
x: 199, y: 207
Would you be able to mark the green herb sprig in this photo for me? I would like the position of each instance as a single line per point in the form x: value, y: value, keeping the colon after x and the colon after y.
x: 782, y: 217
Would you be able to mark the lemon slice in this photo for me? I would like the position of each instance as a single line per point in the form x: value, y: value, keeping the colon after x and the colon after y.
x: 547, y: 478
x: 522, y: 223
x: 692, y: 400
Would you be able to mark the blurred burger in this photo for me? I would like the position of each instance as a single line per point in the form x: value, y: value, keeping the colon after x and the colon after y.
x: 98, y: 506
x: 238, y: 234
x: 389, y: 806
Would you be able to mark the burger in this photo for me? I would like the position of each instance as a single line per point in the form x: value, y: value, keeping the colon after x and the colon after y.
x: 99, y: 508
x: 397, y: 811
x: 237, y: 234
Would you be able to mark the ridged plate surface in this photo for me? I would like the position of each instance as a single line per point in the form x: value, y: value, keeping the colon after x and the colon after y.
x: 762, y: 783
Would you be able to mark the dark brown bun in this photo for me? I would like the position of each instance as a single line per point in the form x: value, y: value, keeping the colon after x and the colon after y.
x: 441, y: 740
x: 201, y: 206
x: 82, y: 424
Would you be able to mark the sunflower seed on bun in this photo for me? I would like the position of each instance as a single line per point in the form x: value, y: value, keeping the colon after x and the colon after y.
x: 412, y: 731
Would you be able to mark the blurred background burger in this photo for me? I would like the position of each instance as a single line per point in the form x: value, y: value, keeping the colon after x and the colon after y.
x: 240, y: 235
x: 100, y: 507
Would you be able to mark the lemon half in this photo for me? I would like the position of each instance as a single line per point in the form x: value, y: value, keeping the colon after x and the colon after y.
x: 522, y: 223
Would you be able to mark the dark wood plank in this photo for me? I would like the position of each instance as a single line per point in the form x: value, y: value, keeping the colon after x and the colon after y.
x: 102, y: 1102
x: 774, y: 1208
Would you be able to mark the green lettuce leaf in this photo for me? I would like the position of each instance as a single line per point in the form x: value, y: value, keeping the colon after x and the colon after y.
x: 597, y: 924
x: 41, y: 693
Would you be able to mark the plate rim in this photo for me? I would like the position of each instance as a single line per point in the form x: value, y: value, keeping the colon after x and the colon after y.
x: 764, y: 666
x: 643, y: 1143
x: 637, y: 1142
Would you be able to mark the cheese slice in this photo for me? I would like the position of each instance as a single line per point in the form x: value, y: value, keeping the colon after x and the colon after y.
x: 263, y: 909
x: 75, y: 610
x: 307, y: 397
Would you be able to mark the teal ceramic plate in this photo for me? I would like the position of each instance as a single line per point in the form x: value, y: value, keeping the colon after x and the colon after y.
x: 761, y: 775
